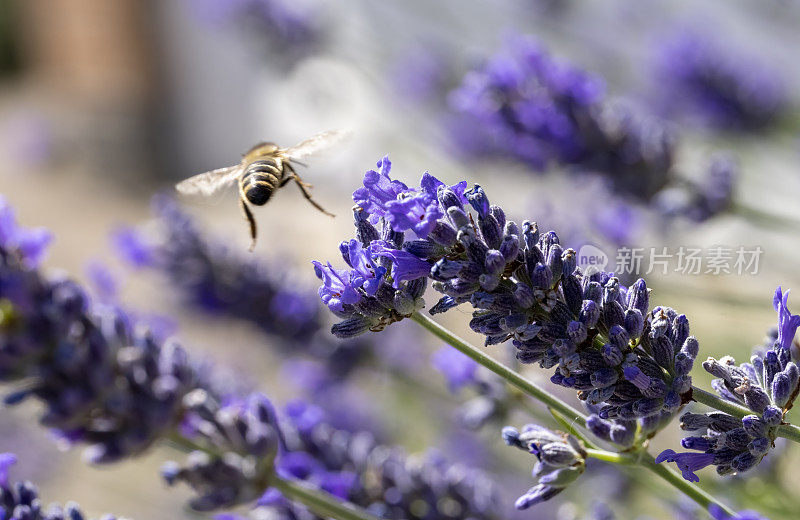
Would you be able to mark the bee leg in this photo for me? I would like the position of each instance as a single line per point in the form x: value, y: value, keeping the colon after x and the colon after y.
x: 304, y: 188
x: 249, y: 216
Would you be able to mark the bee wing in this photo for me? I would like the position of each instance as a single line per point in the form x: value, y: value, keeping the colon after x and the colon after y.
x: 209, y: 183
x: 315, y: 144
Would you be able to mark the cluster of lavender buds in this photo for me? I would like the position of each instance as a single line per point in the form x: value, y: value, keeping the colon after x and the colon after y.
x: 601, y: 337
x: 700, y: 77
x: 525, y: 104
x: 561, y: 459
x: 381, y: 479
x: 215, y: 279
x: 103, y: 381
x: 767, y: 385
x: 220, y: 282
x: 20, y: 500
x: 110, y: 384
x: 238, y: 443
x: 491, y: 402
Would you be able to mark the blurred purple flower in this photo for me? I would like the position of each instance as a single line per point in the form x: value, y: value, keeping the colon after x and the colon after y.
x: 458, y: 369
x: 706, y: 79
x: 132, y: 247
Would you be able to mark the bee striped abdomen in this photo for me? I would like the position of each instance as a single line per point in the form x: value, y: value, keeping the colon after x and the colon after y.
x: 260, y: 180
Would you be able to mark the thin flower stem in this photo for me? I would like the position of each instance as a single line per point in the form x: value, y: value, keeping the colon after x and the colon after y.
x: 787, y: 431
x: 513, y: 377
x: 709, y: 399
x: 639, y: 458
x: 612, y: 457
x: 318, y: 501
x: 321, y: 503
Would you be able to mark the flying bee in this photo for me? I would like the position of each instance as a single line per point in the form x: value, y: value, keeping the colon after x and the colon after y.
x: 263, y: 169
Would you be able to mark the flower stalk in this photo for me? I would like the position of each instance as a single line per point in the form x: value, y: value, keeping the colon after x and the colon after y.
x: 514, y: 378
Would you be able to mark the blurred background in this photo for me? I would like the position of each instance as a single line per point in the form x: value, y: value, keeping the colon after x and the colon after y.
x: 104, y: 104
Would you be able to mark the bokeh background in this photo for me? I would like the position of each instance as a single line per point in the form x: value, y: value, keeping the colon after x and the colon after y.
x: 104, y: 104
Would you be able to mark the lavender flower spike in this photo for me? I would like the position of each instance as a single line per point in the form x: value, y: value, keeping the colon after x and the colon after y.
x: 561, y: 459
x: 768, y: 385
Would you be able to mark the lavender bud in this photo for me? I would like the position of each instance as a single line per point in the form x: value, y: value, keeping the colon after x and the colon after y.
x: 449, y: 200
x: 773, y: 415
x: 459, y: 218
x: 618, y: 336
x: 590, y: 313
x: 612, y: 354
x: 509, y: 247
x: 755, y: 426
x: 576, y: 332
x: 623, y: 434
x: 443, y: 234
x: 759, y: 446
x: 423, y: 248
x: 604, y: 377
x: 694, y: 421
x: 639, y: 297
x: 634, y: 322
x: 691, y: 347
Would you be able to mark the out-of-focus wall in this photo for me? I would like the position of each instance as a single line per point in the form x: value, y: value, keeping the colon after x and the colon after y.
x: 91, y: 63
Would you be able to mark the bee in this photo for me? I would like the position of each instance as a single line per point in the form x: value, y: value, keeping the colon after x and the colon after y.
x: 263, y: 170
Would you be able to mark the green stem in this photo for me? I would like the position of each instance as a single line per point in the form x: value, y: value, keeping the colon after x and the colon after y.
x: 318, y: 501
x: 787, y: 431
x: 639, y: 458
x: 611, y: 456
x: 709, y: 399
x: 513, y: 377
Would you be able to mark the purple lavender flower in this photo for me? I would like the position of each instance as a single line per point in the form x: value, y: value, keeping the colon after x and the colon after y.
x: 561, y: 459
x: 103, y: 381
x: 525, y: 287
x: 768, y: 385
x: 704, y: 79
x: 688, y: 463
x: 526, y: 105
x: 338, y: 288
x: 387, y: 299
x: 382, y: 479
x: 247, y: 433
x: 787, y: 322
x: 403, y: 208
